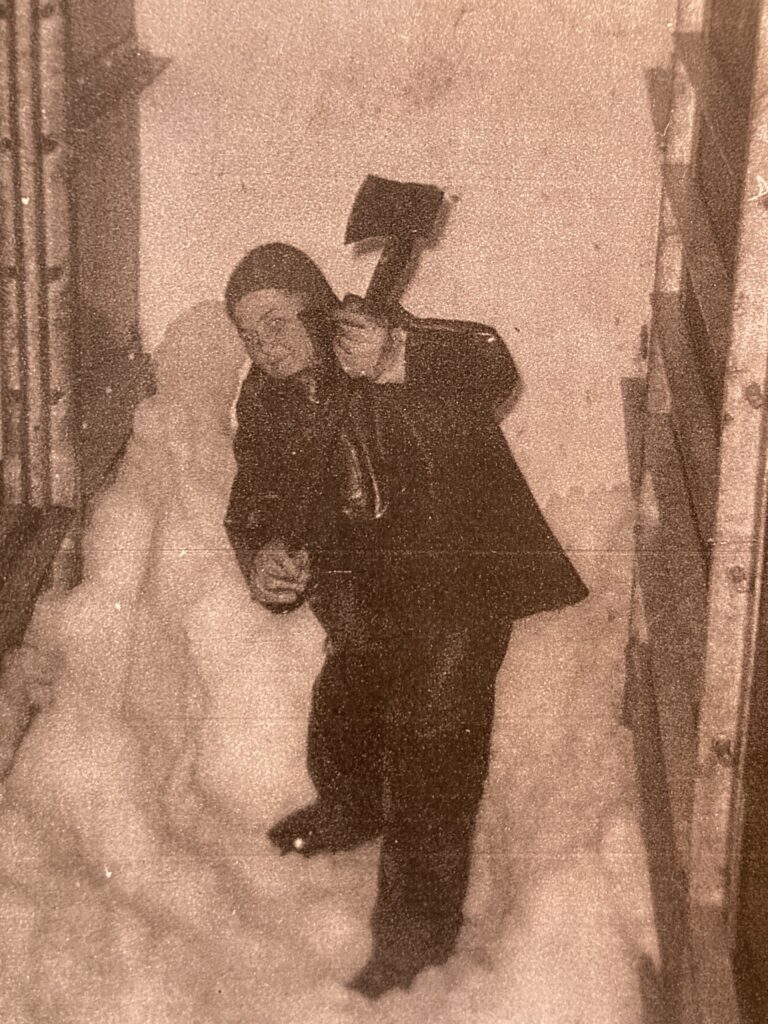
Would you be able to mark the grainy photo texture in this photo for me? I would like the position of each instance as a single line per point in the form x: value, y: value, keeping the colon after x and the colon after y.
x: 382, y: 449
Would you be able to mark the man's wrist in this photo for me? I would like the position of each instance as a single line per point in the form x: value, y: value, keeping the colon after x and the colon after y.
x: 391, y: 367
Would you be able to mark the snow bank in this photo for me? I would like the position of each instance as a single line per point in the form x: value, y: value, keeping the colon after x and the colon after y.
x: 137, y: 882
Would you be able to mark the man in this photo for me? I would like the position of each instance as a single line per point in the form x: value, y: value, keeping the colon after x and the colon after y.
x: 373, y: 481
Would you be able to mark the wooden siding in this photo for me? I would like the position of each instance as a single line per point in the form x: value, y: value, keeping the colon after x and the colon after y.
x: 72, y: 365
x: 701, y: 517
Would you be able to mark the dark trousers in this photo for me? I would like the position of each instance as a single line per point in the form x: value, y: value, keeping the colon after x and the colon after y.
x: 399, y: 735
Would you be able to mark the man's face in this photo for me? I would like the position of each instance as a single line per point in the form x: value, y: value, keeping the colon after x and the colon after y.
x: 274, y: 336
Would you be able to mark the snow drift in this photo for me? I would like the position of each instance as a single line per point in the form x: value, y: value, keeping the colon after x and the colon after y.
x: 137, y: 883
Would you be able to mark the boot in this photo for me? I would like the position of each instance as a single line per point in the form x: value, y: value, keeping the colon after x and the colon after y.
x: 380, y: 975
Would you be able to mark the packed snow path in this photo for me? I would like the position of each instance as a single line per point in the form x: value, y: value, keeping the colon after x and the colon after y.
x: 137, y: 883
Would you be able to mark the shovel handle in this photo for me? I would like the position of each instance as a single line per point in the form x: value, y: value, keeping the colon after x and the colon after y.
x: 383, y: 287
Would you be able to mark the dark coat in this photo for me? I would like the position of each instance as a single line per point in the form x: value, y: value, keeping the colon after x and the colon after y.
x: 409, y: 489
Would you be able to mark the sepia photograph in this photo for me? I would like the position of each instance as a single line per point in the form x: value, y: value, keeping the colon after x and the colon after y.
x: 384, y: 482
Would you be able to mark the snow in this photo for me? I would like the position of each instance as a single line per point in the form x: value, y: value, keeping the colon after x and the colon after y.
x: 137, y: 883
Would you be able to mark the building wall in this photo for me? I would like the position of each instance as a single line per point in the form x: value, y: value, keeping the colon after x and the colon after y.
x: 535, y: 119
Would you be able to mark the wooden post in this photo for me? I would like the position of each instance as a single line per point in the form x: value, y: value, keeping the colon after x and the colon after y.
x: 679, y: 143
x: 736, y: 575
x: 676, y: 526
x: 57, y: 259
x: 15, y: 475
x: 40, y: 435
x: 54, y: 93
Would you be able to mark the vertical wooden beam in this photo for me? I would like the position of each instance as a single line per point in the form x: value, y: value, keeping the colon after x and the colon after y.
x: 15, y: 475
x: 679, y: 144
x: 64, y: 422
x: 659, y: 717
x: 39, y: 443
x: 736, y: 576
x: 56, y: 257
x: 30, y: 226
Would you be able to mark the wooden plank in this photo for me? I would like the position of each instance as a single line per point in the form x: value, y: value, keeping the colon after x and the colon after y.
x: 636, y: 643
x: 714, y: 97
x: 667, y: 523
x: 668, y: 885
x: 676, y: 655
x: 696, y: 331
x: 26, y: 149
x: 692, y: 416
x: 672, y: 581
x: 56, y: 305
x: 665, y: 528
x: 11, y: 422
x: 702, y: 258
x: 633, y: 394
x: 721, y: 193
x: 736, y: 576
x: 731, y: 35
x: 715, y: 992
x: 751, y: 951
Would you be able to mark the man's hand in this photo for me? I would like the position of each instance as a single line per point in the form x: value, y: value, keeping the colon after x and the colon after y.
x: 277, y: 576
x: 366, y: 346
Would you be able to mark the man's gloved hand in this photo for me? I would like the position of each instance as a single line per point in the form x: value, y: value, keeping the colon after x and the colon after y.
x: 277, y: 576
x: 367, y: 346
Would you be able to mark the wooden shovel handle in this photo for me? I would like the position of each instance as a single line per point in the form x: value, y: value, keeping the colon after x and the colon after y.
x: 383, y: 288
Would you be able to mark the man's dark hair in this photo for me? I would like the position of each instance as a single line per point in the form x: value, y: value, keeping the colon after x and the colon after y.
x: 282, y: 267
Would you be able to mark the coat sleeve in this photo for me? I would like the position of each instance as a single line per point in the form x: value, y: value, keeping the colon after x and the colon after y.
x: 256, y: 513
x: 244, y: 539
x: 456, y: 359
x: 251, y: 512
x: 249, y: 524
